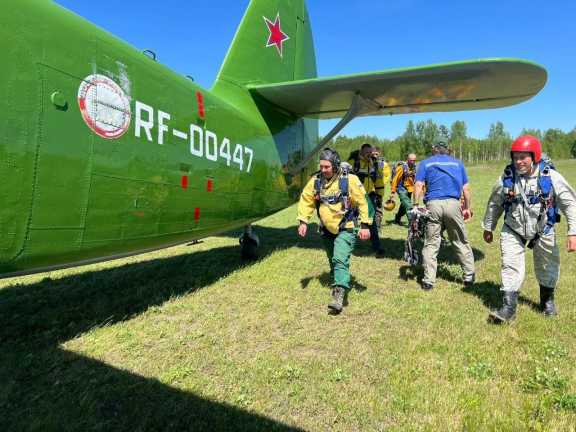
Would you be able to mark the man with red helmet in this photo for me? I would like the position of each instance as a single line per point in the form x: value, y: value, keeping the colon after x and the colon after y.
x: 530, y: 193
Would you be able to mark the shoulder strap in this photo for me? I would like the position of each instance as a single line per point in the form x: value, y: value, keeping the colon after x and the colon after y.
x: 405, y: 171
x: 317, y: 185
x: 350, y: 213
x: 508, y: 180
x: 373, y: 166
x: 343, y: 184
x: 509, y: 176
x: 544, y: 179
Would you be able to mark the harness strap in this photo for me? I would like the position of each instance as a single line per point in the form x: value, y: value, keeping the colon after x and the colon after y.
x: 349, y: 213
x: 545, y: 195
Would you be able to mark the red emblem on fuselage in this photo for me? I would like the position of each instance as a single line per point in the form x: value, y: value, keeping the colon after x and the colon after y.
x: 277, y: 36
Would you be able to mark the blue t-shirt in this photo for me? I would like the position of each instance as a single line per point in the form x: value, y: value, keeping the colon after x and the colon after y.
x: 444, y: 177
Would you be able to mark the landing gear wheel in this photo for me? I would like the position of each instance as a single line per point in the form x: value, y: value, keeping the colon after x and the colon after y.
x: 249, y: 243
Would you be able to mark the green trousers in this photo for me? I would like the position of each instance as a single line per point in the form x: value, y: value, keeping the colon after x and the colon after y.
x: 405, y: 204
x: 339, y: 249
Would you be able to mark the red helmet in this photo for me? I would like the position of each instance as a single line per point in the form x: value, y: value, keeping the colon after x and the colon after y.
x: 530, y: 144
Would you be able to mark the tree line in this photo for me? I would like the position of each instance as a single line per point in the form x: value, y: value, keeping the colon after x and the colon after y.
x: 418, y: 138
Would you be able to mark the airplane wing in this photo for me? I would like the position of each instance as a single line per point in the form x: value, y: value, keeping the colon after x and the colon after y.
x: 458, y: 86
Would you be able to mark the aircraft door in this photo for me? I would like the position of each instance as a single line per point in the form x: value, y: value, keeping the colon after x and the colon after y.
x: 63, y: 168
x: 19, y: 100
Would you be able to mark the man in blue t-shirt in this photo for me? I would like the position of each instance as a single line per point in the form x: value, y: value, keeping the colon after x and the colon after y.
x: 446, y: 181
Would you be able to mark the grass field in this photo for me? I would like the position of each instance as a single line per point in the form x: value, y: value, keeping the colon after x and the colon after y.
x: 192, y: 338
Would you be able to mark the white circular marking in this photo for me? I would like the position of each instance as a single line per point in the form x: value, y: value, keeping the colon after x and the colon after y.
x: 104, y: 106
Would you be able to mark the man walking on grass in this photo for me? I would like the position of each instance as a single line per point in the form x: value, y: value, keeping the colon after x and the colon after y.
x: 339, y: 199
x: 445, y: 180
x: 530, y: 193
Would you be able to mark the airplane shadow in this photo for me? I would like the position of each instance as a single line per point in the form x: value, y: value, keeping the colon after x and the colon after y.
x: 47, y: 388
x: 64, y: 390
x: 282, y: 238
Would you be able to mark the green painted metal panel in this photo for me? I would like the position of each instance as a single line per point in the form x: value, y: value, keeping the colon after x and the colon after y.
x: 63, y: 160
x: 247, y: 61
x: 20, y: 108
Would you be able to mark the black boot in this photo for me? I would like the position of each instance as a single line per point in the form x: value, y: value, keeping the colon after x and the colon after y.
x: 508, y: 310
x: 469, y: 280
x: 547, y: 301
x: 335, y: 306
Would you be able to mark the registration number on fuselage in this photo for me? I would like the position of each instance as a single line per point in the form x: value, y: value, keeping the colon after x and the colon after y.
x: 203, y: 142
x: 106, y: 109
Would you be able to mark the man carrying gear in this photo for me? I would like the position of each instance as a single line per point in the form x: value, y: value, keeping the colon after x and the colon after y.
x: 445, y: 180
x: 403, y: 183
x: 530, y: 193
x: 373, y: 172
x: 340, y: 202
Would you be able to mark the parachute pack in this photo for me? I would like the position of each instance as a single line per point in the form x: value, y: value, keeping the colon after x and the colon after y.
x: 544, y: 196
x: 418, y: 218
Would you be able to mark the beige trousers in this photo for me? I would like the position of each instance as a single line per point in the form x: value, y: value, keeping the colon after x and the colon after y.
x: 546, y: 260
x: 446, y: 214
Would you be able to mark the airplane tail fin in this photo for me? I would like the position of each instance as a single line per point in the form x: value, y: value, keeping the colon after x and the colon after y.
x: 272, y: 44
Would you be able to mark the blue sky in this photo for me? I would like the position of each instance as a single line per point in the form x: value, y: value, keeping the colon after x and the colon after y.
x: 192, y: 37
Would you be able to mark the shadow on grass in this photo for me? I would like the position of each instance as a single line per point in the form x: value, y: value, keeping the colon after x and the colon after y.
x: 47, y: 388
x: 491, y: 296
x: 394, y: 249
x: 325, y: 280
x: 64, y: 391
x: 283, y: 238
x: 407, y: 272
x: 488, y: 292
x: 535, y: 306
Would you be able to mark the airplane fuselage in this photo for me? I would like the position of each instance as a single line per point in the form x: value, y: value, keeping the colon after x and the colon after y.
x: 105, y: 152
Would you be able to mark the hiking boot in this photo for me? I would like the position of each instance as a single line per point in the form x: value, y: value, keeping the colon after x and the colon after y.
x: 426, y: 286
x: 469, y: 280
x: 547, y: 301
x: 508, y: 310
x: 335, y: 306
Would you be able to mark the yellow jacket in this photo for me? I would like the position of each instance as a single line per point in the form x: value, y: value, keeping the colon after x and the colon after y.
x: 331, y: 214
x: 406, y: 182
x: 363, y: 169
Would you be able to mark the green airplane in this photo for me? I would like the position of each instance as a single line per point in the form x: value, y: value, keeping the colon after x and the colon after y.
x: 104, y: 152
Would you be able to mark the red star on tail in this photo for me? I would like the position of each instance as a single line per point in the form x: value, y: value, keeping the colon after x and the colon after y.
x: 277, y: 36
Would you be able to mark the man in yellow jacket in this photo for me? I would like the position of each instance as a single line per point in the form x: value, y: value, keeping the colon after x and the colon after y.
x: 403, y: 183
x: 374, y: 173
x: 340, y: 202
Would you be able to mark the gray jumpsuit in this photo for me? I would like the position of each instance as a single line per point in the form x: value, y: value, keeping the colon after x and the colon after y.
x: 523, y: 222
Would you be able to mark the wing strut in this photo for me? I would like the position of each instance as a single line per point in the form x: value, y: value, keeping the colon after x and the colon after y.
x: 357, y: 107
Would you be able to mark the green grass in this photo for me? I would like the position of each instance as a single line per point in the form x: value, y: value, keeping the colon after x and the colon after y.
x: 192, y: 338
